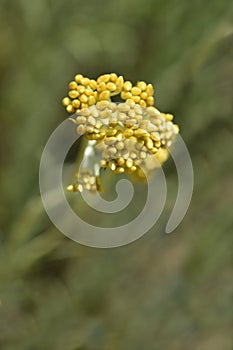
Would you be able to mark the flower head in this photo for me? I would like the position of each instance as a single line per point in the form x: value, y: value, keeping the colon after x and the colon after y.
x: 125, y: 137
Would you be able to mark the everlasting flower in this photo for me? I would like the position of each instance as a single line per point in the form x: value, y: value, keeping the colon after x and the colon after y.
x: 124, y: 137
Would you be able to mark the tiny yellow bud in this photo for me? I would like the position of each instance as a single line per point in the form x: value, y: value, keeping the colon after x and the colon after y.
x: 103, y: 78
x: 111, y: 86
x: 119, y: 136
x: 119, y: 83
x: 104, y: 95
x: 103, y: 163
x: 143, y: 104
x: 142, y: 85
x: 112, y: 150
x: 136, y: 99
x: 143, y: 155
x: 81, y: 120
x: 90, y: 135
x: 130, y: 123
x: 112, y: 165
x: 101, y: 86
x: 65, y: 101
x: 70, y: 109
x: 70, y: 188
x: 121, y: 161
x: 91, y: 100
x: 113, y: 77
x: 150, y: 90
x: 128, y: 133
x: 76, y: 103
x: 73, y: 85
x: 149, y: 143
x: 152, y: 111
x: 176, y: 129
x: 127, y: 86
x: 130, y: 102
x: 73, y: 93
x: 123, y: 95
x: 91, y: 120
x: 78, y: 78
x: 136, y: 91
x: 110, y: 140
x: 113, y: 121
x: 85, y: 81
x: 133, y: 168
x: 157, y: 144
x: 155, y: 136
x: 81, y: 129
x: 140, y: 133
x: 169, y: 117
x: 93, y: 84
x: 120, y: 170
x: 80, y: 89
x: 120, y: 145
x: 83, y: 98
x: 98, y: 124
x: 90, y: 129
x: 101, y: 105
x: 126, y: 95
x: 154, y: 150
x: 123, y: 107
x: 129, y: 163
x: 89, y: 92
x: 84, y: 105
x: 78, y: 188
x: 144, y: 95
x: 150, y: 101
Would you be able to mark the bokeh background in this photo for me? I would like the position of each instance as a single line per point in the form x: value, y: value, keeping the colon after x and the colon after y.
x: 169, y: 292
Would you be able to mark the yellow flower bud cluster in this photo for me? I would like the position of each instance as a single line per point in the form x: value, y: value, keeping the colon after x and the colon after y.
x: 82, y: 94
x: 109, y: 85
x: 86, y: 181
x: 130, y: 137
x: 126, y: 132
x: 85, y: 92
x: 141, y: 94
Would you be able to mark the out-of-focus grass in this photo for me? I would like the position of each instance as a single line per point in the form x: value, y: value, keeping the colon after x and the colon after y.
x: 160, y: 292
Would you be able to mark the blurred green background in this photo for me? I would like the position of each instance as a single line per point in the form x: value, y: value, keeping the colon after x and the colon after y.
x: 169, y: 292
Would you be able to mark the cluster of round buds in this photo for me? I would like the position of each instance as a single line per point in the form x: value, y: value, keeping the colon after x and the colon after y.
x: 82, y: 94
x: 85, y: 92
x: 86, y: 180
x: 131, y: 137
x: 141, y: 93
x: 109, y: 85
